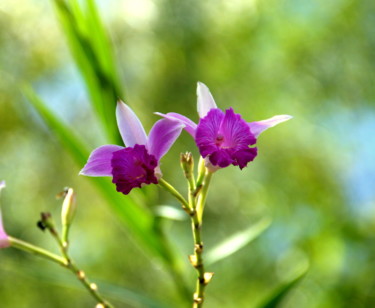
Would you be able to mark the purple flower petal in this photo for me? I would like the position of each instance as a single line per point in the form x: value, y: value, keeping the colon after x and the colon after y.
x: 133, y: 167
x: 131, y: 129
x: 243, y: 157
x: 4, y: 240
x: 99, y: 162
x: 260, y: 126
x: 221, y: 158
x: 205, y: 100
x: 207, y: 132
x: 190, y: 126
x: 235, y: 132
x: 162, y: 135
x: 2, y: 185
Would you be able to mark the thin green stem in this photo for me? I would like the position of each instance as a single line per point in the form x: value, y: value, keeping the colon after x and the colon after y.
x: 201, y: 198
x: 63, y: 261
x: 194, y: 208
x: 91, y: 287
x: 19, y: 244
x: 197, y: 198
x: 201, y: 174
x: 196, y: 260
x: 163, y: 183
x: 174, y: 269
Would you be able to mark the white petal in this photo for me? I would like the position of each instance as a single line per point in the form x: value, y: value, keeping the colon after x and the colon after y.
x: 131, y: 129
x: 205, y: 100
x: 257, y: 127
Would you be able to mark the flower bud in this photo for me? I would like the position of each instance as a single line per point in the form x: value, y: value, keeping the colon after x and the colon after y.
x: 187, y: 164
x: 68, y: 208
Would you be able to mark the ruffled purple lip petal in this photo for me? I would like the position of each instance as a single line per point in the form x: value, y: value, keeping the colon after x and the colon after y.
x: 225, y: 139
x: 99, y: 162
x: 235, y: 131
x: 190, y: 126
x: 162, y: 136
x: 131, y: 129
x: 133, y: 167
x: 205, y: 100
x: 242, y: 157
x: 260, y: 126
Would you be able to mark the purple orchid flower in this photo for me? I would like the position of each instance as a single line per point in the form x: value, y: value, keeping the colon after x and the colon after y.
x: 138, y: 163
x: 223, y: 138
x: 4, y: 239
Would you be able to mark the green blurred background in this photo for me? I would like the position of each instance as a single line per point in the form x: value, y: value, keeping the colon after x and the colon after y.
x: 314, y: 176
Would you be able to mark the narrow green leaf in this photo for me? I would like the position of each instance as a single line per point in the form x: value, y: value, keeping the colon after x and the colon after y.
x: 68, y: 139
x: 103, y: 46
x: 276, y: 297
x: 94, y: 58
x: 237, y: 241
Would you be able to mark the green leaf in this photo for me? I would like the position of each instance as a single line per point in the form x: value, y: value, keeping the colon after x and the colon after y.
x: 276, y: 297
x: 94, y: 58
x: 237, y: 241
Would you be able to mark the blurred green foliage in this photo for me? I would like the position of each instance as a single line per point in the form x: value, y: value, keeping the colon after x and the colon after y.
x: 314, y: 175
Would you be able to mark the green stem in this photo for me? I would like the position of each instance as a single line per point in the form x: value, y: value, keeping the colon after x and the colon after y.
x: 197, y: 261
x: 196, y: 222
x: 197, y: 198
x: 63, y: 261
x: 203, y: 195
x: 195, y: 207
x: 163, y: 183
x: 174, y: 268
x: 201, y: 174
x: 91, y: 287
x: 19, y: 244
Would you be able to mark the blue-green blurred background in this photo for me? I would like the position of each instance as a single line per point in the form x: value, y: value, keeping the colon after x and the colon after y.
x: 314, y: 176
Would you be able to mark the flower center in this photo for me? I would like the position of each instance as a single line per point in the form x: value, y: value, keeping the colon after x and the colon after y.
x: 219, y: 140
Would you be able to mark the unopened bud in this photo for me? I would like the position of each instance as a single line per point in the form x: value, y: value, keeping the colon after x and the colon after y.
x: 187, y: 164
x: 68, y: 208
